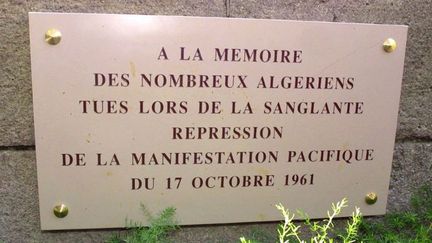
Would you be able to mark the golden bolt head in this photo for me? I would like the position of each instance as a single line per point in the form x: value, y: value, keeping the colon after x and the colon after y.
x: 389, y: 45
x: 60, y: 211
x: 371, y: 198
x: 53, y: 36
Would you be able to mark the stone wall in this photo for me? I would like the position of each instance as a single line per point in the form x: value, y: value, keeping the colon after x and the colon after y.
x: 19, y: 212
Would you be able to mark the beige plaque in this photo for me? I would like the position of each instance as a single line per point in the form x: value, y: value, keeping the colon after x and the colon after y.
x: 220, y: 118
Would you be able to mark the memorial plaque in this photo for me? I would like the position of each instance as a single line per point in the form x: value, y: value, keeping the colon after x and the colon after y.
x: 220, y: 118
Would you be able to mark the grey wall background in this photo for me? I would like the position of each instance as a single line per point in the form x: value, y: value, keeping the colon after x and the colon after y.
x: 19, y: 212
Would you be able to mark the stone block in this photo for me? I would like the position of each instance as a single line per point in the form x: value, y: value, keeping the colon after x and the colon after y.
x: 19, y: 212
x: 412, y: 168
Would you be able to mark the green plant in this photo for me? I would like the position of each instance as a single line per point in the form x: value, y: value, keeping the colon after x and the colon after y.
x: 156, y: 232
x: 322, y: 231
x: 413, y: 225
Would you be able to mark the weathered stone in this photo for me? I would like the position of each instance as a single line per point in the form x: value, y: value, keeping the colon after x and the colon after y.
x: 19, y: 212
x: 16, y: 113
x: 280, y: 9
x: 412, y: 168
x: 415, y: 116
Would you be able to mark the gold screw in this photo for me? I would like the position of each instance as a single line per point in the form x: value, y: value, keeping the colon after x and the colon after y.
x: 53, y: 36
x: 60, y: 211
x: 371, y: 198
x: 389, y: 45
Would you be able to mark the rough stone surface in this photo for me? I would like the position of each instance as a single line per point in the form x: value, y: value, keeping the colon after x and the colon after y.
x: 19, y: 213
x: 415, y: 116
x: 412, y: 168
x: 16, y: 114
